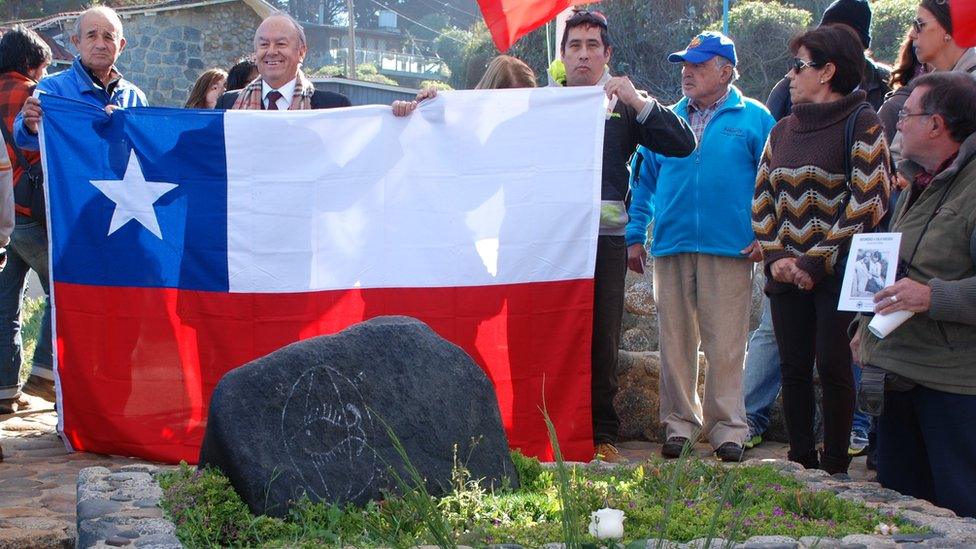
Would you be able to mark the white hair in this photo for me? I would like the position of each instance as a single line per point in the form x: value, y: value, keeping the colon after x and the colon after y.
x: 106, y: 11
x: 721, y: 62
x: 298, y: 27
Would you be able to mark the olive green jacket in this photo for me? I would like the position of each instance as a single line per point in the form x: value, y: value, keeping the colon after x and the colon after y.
x: 936, y: 349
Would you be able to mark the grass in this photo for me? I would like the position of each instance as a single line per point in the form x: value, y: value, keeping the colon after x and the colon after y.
x: 31, y: 316
x: 678, y: 500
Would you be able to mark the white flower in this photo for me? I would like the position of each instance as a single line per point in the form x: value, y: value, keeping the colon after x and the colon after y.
x: 607, y: 523
x: 885, y: 529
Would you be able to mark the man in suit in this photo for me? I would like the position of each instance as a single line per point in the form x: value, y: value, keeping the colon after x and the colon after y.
x: 279, y: 49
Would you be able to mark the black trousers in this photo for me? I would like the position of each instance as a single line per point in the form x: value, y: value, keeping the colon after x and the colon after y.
x: 926, y: 447
x: 608, y: 310
x: 809, y: 328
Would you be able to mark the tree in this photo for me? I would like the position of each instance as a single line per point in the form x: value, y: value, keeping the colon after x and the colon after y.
x: 761, y: 31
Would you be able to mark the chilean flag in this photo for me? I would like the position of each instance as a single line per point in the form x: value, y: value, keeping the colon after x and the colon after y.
x: 185, y: 243
x: 509, y: 20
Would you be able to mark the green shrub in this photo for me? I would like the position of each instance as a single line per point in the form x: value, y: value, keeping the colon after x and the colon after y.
x: 889, y: 25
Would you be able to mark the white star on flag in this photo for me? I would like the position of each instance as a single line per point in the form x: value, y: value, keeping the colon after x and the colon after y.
x: 134, y: 197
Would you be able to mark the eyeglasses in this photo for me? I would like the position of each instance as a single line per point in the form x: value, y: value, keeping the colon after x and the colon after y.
x: 798, y: 64
x: 918, y: 24
x: 587, y: 16
x: 903, y: 114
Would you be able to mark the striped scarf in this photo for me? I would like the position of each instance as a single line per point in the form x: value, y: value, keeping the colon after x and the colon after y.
x: 250, y: 97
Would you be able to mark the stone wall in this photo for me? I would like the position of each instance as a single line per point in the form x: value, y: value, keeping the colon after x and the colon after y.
x: 166, y: 52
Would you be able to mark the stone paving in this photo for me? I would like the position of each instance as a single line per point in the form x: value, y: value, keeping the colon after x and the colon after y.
x: 38, y: 480
x: 38, y: 477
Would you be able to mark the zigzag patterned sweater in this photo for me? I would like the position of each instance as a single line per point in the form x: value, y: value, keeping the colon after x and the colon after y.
x: 803, y: 206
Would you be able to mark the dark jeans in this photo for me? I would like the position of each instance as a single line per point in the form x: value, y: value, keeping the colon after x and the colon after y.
x: 809, y: 328
x: 926, y: 447
x: 608, y: 310
x: 27, y: 251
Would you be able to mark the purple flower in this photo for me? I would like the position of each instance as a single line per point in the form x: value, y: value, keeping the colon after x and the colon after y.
x: 689, y: 503
x: 777, y: 511
x: 777, y: 488
x: 747, y: 522
x: 632, y: 505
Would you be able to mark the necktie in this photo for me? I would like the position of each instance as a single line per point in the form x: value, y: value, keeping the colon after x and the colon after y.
x: 273, y: 97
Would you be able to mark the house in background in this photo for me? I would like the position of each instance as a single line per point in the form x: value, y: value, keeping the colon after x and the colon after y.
x: 170, y: 42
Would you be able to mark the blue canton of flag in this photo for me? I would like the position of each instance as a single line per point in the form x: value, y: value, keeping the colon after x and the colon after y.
x: 145, y: 206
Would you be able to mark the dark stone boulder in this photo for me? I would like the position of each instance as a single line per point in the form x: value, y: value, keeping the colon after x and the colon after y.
x: 309, y: 418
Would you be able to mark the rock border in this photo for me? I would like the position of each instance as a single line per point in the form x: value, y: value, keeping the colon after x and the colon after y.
x: 122, y: 508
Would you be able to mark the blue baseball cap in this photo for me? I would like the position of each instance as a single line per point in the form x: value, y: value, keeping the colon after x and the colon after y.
x: 704, y: 47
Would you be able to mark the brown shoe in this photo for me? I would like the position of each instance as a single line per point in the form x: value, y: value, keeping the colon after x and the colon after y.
x: 609, y: 453
x: 40, y: 387
x: 12, y: 405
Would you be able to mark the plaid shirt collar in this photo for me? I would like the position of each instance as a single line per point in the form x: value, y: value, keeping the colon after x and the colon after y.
x: 698, y: 117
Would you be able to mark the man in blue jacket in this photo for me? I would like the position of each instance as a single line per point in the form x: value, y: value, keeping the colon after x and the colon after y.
x: 92, y: 78
x: 703, y: 247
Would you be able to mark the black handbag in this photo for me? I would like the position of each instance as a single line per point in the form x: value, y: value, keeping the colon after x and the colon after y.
x: 29, y: 189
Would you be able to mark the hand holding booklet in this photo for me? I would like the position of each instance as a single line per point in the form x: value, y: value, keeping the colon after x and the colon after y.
x: 871, y: 266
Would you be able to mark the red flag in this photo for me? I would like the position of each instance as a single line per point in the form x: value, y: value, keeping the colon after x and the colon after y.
x: 509, y: 20
x: 963, y: 22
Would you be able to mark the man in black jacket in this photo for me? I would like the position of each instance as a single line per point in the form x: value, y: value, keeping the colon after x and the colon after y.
x: 856, y: 14
x: 632, y: 120
x: 279, y: 49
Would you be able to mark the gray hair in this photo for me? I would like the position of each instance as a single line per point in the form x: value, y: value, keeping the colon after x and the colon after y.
x: 721, y: 62
x: 298, y: 27
x: 106, y: 11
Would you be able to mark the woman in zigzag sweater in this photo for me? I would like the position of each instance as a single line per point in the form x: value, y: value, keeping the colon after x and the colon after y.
x: 804, y: 213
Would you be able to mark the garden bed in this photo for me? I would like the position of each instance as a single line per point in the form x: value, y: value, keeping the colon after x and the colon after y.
x: 680, y: 501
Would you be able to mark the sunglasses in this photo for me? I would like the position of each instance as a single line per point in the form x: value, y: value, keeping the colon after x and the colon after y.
x: 797, y: 64
x: 918, y: 24
x: 587, y: 16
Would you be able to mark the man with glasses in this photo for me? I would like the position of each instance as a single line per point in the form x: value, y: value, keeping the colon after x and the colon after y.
x: 703, y: 247
x: 925, y: 443
x: 633, y: 120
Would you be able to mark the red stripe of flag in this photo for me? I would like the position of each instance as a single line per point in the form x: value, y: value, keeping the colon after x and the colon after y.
x: 137, y: 366
x: 963, y: 22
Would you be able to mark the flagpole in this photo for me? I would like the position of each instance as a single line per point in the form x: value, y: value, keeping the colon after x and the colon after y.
x: 725, y: 17
x: 549, y: 52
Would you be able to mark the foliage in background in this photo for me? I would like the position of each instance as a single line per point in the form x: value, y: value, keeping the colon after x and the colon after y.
x: 364, y: 71
x: 678, y: 500
x: 761, y: 32
x: 890, y: 25
x: 29, y: 329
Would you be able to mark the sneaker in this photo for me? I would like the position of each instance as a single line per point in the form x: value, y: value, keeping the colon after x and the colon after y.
x: 609, y: 453
x: 859, y: 444
x: 753, y: 441
x: 729, y: 451
x: 12, y: 405
x: 673, y: 447
x: 40, y: 387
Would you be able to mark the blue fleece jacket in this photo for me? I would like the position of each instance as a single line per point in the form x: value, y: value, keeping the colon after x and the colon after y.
x: 75, y: 83
x: 702, y: 203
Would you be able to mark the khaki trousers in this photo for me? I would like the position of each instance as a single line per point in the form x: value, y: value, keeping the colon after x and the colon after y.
x: 703, y: 300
